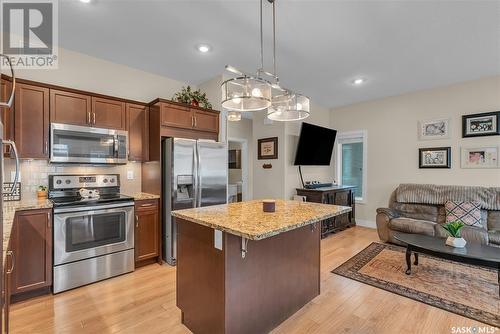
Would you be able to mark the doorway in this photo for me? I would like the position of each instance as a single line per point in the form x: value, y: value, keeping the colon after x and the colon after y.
x: 237, y: 170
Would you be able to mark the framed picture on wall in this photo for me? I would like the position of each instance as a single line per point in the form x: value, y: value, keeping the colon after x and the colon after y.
x: 267, y: 148
x: 480, y: 157
x: 478, y: 125
x: 434, y: 129
x: 434, y: 157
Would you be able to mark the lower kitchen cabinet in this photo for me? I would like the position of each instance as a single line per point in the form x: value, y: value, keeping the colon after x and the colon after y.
x: 31, y: 247
x: 147, y: 232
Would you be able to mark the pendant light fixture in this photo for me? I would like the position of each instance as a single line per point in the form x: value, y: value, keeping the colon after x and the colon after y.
x: 286, y: 105
x: 247, y: 92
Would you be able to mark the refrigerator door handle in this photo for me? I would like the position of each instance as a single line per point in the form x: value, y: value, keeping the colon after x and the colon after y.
x: 199, y: 186
x: 8, y: 103
x: 195, y: 175
x: 16, y: 156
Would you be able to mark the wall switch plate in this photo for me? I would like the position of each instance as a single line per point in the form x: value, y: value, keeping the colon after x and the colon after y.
x: 130, y: 175
x: 218, y: 239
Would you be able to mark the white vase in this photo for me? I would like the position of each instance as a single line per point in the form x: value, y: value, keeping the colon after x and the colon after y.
x: 456, y: 242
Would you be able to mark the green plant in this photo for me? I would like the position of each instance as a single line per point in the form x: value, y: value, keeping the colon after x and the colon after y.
x: 454, y: 228
x: 42, y: 188
x: 187, y: 95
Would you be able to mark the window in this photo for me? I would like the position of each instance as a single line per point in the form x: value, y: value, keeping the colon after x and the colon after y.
x: 352, y: 161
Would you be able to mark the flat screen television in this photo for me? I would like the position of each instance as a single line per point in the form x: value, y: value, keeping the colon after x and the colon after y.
x: 315, y: 145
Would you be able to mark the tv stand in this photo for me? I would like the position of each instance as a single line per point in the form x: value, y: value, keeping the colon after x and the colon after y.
x: 337, y: 195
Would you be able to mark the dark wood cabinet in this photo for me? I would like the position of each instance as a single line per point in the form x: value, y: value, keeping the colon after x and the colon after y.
x: 31, y: 244
x: 137, y: 124
x: 176, y: 116
x: 108, y: 113
x: 147, y: 232
x: 205, y: 120
x: 70, y: 108
x: 338, y: 195
x: 7, y: 116
x: 31, y: 111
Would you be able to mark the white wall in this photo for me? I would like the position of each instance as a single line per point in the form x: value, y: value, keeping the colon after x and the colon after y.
x: 393, y: 141
x: 80, y: 71
x: 243, y: 130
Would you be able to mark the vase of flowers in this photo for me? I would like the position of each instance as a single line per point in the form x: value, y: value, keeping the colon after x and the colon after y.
x: 455, y: 239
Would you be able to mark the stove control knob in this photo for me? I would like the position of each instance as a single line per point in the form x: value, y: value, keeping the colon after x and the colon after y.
x: 58, y: 181
x: 112, y: 180
x: 105, y: 181
x: 68, y: 181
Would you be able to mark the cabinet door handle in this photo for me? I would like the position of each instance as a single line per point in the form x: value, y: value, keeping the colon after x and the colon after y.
x: 93, y: 117
x: 46, y: 147
x: 49, y: 220
x: 88, y: 117
x: 136, y: 221
x: 146, y: 205
x: 194, y: 121
x: 12, y: 261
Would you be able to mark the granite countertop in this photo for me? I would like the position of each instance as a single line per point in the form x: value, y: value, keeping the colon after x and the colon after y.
x: 247, y: 219
x: 9, y: 211
x: 144, y: 196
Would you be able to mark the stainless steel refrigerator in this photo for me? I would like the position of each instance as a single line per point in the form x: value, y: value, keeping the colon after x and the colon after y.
x: 194, y: 175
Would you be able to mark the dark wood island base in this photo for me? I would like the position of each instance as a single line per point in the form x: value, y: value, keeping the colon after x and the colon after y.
x: 233, y: 291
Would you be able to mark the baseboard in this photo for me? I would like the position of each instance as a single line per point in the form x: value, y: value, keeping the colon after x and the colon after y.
x: 366, y: 223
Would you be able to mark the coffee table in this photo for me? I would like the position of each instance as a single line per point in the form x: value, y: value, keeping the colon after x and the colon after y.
x: 472, y: 253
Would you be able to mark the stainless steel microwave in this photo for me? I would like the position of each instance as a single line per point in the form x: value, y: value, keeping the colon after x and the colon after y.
x: 82, y: 144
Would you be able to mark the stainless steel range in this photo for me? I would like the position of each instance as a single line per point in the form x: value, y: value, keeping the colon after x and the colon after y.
x: 93, y: 229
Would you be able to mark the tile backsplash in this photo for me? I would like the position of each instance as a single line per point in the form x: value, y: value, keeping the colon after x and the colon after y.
x: 36, y: 172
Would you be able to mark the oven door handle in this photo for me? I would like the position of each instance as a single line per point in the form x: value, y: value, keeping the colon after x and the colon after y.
x: 107, y: 208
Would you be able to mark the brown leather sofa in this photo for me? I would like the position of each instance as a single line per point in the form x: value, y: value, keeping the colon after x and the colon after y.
x: 408, y: 216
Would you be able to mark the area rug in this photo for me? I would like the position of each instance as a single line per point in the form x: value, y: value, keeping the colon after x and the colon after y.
x: 470, y: 291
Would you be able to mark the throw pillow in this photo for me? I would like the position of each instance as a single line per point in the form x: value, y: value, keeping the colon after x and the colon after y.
x: 468, y: 213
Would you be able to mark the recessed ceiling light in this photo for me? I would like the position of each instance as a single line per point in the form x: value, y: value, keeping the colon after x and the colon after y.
x: 85, y: 1
x: 358, y: 81
x: 203, y: 48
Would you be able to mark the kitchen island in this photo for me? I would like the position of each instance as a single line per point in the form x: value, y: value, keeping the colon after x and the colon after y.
x: 241, y: 270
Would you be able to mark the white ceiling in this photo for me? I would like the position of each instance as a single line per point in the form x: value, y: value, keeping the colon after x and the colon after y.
x: 398, y: 46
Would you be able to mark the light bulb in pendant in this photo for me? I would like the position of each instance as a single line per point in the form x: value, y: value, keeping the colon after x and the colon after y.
x: 256, y: 92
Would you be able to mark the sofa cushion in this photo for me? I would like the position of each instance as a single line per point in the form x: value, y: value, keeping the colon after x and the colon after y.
x: 409, y: 225
x: 494, y: 237
x: 469, y: 233
x: 493, y: 220
x: 417, y: 211
x: 468, y: 213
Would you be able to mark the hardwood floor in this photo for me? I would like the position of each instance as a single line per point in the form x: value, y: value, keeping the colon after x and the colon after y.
x: 144, y: 302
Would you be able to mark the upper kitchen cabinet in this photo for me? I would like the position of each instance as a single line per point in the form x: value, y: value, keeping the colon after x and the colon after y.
x: 205, y: 120
x: 31, y: 109
x: 108, y: 113
x: 177, y: 115
x: 137, y: 123
x: 70, y: 108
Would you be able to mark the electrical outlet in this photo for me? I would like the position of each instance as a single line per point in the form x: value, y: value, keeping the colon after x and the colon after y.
x: 130, y: 175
